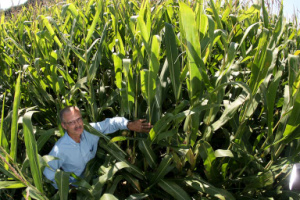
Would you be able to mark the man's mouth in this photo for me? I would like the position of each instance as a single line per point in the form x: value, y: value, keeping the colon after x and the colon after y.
x: 78, y: 128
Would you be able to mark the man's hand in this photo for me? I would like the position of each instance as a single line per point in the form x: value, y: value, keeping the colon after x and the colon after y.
x: 140, y: 126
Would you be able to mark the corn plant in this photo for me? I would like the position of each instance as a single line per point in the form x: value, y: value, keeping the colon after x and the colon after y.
x: 219, y: 80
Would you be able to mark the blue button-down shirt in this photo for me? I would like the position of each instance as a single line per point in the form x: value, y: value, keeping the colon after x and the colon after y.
x: 72, y: 156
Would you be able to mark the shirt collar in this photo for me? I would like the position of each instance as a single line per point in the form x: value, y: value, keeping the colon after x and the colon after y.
x: 69, y: 139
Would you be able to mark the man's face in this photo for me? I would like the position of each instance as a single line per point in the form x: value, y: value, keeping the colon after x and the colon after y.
x: 72, y: 122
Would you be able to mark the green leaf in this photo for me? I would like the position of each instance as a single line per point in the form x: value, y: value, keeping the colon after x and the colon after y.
x: 174, y: 190
x: 107, y: 174
x: 193, y: 48
x: 167, y: 134
x: 164, y: 167
x: 82, y: 183
x: 46, y: 23
x: 93, y: 131
x: 133, y: 181
x: 48, y: 158
x: 134, y: 169
x: 160, y: 126
x: 21, y: 48
x: 202, y: 186
x: 265, y: 14
x: 118, y: 70
x: 115, y: 184
x: 145, y: 147
x: 249, y: 13
x: 263, y: 179
x: 32, y: 151
x: 14, y: 123
x: 253, y: 26
x: 143, y: 30
x: 219, y: 153
x: 62, y: 181
x: 149, y: 82
x: 128, y: 98
x: 270, y: 96
x: 208, y: 156
x: 230, y: 111
x: 216, y: 15
x: 44, y: 137
x: 294, y: 118
x: 137, y: 196
x: 278, y: 31
x: 261, y: 63
x: 11, y: 184
x: 108, y: 196
x: 293, y: 63
x: 3, y: 139
x: 173, y: 60
x: 118, y: 139
x: 33, y: 193
x: 95, y: 20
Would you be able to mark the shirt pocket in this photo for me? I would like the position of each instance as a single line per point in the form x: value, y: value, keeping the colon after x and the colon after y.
x: 89, y: 153
x: 92, y: 152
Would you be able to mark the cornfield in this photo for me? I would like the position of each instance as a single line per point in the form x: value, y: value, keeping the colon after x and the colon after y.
x: 219, y: 80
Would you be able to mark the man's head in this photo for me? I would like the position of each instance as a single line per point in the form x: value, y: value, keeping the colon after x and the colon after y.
x: 71, y: 120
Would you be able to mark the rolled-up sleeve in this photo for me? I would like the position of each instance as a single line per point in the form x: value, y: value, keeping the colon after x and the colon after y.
x: 111, y: 125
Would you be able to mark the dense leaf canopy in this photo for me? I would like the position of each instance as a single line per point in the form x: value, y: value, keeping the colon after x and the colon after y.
x: 219, y: 81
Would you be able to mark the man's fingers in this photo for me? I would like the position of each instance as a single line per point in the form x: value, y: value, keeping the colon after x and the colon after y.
x: 140, y: 125
x: 142, y: 120
x: 146, y: 127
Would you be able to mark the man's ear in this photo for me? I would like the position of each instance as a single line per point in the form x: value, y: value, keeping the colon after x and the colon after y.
x: 63, y: 125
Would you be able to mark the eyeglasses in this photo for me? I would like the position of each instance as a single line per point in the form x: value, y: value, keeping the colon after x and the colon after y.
x: 72, y: 123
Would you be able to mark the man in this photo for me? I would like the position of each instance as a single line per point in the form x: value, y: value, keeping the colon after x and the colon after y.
x: 78, y: 146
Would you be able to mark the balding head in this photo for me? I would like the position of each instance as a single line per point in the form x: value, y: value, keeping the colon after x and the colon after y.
x: 67, y: 109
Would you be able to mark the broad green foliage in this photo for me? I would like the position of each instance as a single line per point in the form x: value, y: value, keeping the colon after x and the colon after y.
x: 218, y: 80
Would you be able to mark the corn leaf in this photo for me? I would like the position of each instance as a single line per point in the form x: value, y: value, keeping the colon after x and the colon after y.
x: 118, y: 70
x: 95, y: 20
x: 3, y: 139
x: 132, y: 168
x: 265, y: 14
x: 32, y: 151
x: 97, y: 57
x: 223, y: 153
x: 276, y: 35
x: 208, y: 156
x: 46, y: 23
x: 174, y: 190
x: 129, y: 86
x: 173, y: 60
x: 33, y: 193
x: 193, y: 45
x: 261, y: 63
x: 14, y: 123
x: 11, y: 184
x: 62, y: 181
x: 44, y: 137
x: 293, y: 121
x: 164, y: 167
x: 293, y: 62
x: 148, y: 153
x: 108, y: 196
x: 137, y: 196
x: 207, y: 188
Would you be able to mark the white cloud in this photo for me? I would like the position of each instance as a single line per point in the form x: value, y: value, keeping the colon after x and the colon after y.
x: 4, y: 4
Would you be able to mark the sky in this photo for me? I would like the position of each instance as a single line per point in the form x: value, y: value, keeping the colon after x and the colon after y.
x: 288, y: 5
x: 4, y: 4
